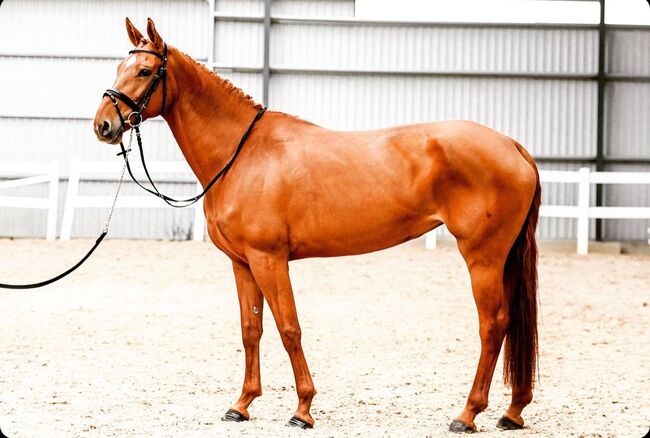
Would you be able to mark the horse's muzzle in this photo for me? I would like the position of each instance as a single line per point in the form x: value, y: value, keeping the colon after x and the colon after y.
x: 108, y: 132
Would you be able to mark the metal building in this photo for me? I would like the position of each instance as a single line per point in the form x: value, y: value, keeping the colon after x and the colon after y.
x: 574, y: 95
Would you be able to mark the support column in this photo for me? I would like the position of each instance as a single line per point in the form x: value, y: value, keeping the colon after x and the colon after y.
x: 600, y: 134
x: 266, y: 69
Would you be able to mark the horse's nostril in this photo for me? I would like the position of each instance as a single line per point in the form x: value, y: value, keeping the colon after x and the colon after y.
x: 106, y: 128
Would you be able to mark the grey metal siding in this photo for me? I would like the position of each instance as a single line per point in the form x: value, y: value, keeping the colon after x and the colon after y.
x: 342, y: 75
x: 314, y: 8
x: 629, y: 52
x: 551, y: 118
x: 243, y: 7
x: 99, y: 26
x: 628, y: 120
x: 426, y: 48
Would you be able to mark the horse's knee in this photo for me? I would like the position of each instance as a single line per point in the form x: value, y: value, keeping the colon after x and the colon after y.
x: 291, y: 335
x: 251, y: 333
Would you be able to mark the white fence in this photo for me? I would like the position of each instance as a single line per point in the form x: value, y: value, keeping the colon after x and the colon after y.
x: 21, y: 174
x: 74, y: 201
x: 584, y: 211
x: 34, y: 173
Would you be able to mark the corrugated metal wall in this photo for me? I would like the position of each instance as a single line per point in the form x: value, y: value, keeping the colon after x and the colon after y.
x: 628, y: 126
x: 51, y: 87
x: 333, y: 70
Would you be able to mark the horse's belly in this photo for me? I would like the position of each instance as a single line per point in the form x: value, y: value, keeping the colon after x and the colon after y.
x: 357, y: 232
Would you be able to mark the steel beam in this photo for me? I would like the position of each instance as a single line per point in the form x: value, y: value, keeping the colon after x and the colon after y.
x: 266, y: 68
x: 600, y: 126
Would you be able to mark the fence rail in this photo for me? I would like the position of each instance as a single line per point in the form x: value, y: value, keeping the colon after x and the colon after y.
x: 21, y: 174
x: 74, y: 201
x: 584, y: 178
x: 49, y: 173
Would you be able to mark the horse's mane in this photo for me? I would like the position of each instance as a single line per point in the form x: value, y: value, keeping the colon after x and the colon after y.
x: 229, y: 86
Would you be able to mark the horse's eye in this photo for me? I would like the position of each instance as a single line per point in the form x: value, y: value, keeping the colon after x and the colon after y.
x: 144, y: 73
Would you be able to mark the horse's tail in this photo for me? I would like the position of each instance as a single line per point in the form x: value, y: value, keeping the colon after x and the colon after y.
x: 520, y: 284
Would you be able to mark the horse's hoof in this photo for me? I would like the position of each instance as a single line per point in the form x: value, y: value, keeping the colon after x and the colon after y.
x: 506, y: 423
x: 233, y: 415
x: 297, y: 422
x: 460, y: 427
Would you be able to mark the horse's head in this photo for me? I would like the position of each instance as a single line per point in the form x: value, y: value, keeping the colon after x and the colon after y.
x: 139, y: 91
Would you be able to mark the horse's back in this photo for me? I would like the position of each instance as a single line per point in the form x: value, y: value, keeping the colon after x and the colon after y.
x: 330, y: 193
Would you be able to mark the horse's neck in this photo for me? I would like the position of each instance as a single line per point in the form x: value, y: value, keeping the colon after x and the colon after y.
x: 208, y: 117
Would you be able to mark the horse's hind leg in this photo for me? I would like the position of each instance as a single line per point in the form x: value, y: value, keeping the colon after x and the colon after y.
x: 271, y: 271
x: 487, y: 286
x: 485, y: 234
x: 251, y: 303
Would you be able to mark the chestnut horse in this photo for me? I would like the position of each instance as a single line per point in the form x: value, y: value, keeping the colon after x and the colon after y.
x: 297, y: 190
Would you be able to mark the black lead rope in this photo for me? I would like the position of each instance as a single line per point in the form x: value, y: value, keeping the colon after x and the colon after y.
x: 84, y: 258
x: 60, y: 276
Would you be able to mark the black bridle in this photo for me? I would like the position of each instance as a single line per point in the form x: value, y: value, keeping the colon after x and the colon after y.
x: 141, y: 105
x: 134, y: 120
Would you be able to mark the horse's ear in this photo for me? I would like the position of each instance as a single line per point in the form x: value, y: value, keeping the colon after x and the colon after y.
x: 154, y: 37
x: 134, y: 34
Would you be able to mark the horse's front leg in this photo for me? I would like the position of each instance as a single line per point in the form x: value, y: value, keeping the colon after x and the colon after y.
x: 271, y: 271
x: 251, y: 303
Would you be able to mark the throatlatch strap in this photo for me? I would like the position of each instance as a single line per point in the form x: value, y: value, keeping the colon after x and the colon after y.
x: 60, y: 276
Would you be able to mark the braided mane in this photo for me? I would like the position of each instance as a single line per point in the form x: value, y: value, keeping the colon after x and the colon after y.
x: 229, y: 86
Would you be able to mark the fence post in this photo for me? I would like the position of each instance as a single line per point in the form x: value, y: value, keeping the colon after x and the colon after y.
x: 584, y: 181
x: 53, y: 201
x: 70, y: 199
x: 431, y: 239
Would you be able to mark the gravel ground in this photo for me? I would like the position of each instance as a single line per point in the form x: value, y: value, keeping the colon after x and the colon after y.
x: 144, y: 341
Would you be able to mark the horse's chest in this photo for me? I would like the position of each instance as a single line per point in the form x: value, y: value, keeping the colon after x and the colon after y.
x: 219, y: 224
x: 223, y: 242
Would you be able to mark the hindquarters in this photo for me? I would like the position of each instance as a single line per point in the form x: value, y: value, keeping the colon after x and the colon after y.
x: 492, y: 209
x: 494, y: 219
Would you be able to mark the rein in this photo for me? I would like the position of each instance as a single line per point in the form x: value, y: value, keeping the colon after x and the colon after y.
x: 134, y: 120
x: 182, y: 203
